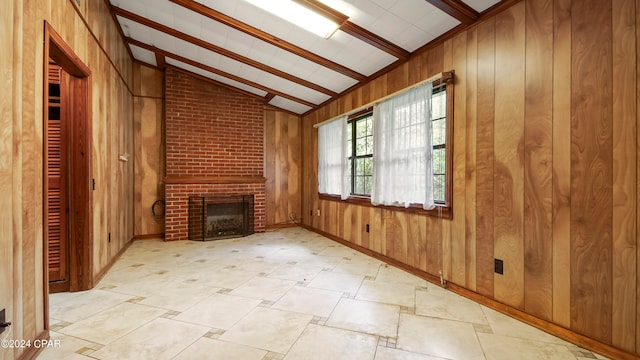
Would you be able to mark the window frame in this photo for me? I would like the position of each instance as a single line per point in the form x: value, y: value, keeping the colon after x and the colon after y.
x: 441, y: 210
x: 352, y: 121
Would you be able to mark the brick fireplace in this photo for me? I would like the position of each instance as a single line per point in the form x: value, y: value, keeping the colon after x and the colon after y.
x: 214, y: 147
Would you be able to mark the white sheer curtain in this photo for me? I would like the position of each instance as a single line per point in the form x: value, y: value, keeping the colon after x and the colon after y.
x: 333, y: 158
x: 402, y: 150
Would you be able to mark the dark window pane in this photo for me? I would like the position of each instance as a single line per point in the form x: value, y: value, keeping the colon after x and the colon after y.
x: 439, y: 161
x: 439, y: 128
x: 438, y: 188
x: 439, y: 105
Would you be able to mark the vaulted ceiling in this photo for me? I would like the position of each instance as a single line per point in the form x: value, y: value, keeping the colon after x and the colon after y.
x: 242, y: 46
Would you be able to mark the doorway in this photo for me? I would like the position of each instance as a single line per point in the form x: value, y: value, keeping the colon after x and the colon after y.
x: 66, y: 175
x: 57, y: 177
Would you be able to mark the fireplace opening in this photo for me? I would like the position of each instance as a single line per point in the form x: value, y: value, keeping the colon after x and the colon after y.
x: 220, y: 217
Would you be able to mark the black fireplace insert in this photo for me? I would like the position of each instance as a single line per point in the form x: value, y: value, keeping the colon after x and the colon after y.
x: 220, y: 217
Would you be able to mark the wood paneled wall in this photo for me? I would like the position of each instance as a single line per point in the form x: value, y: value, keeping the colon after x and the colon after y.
x: 149, y: 149
x: 93, y: 36
x: 544, y: 173
x: 283, y: 166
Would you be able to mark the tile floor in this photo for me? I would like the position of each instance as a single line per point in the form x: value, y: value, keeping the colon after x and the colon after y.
x: 286, y: 294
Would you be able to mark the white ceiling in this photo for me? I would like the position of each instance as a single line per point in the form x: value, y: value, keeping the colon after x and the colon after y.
x: 288, y: 79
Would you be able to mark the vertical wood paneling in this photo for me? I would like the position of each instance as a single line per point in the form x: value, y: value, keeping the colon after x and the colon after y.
x: 470, y: 159
x: 433, y: 246
x: 591, y: 169
x: 562, y: 162
x: 484, y: 151
x: 397, y: 235
x: 624, y: 235
x: 15, y: 159
x: 508, y: 145
x: 637, y: 12
x: 294, y: 164
x: 458, y: 228
x: 270, y: 156
x: 282, y: 168
x: 31, y: 166
x: 417, y: 248
x: 538, y: 191
x: 7, y: 201
x: 447, y: 63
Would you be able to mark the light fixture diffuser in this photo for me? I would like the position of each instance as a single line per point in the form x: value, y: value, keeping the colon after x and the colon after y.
x: 312, y: 16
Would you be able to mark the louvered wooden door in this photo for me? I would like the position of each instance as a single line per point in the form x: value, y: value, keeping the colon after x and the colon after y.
x: 56, y: 172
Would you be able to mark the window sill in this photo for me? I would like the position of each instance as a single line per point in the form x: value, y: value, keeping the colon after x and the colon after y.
x: 440, y: 211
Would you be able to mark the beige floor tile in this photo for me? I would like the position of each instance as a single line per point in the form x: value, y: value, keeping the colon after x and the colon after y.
x: 113, y: 323
x: 152, y: 284
x: 70, y: 348
x: 504, y: 325
x: 297, y: 272
x: 181, y: 297
x: 388, y: 293
x: 268, y: 329
x: 384, y: 353
x: 338, y: 250
x: 317, y: 302
x: 497, y: 347
x: 440, y: 303
x: 264, y: 288
x: 365, y: 316
x: 321, y: 343
x: 216, y: 349
x: 336, y: 281
x: 259, y: 265
x: 77, y: 306
x: 359, y: 266
x: 390, y: 274
x: 219, y: 311
x: 436, y: 337
x: 328, y: 301
x: 225, y: 278
x: 160, y: 339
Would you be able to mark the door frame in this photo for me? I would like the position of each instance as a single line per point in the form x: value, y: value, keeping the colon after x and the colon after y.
x: 79, y: 165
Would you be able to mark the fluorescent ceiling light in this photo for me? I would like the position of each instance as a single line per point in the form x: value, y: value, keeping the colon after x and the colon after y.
x: 310, y: 15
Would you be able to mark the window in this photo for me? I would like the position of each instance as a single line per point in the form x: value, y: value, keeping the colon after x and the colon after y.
x: 439, y: 141
x: 360, y: 145
x: 361, y: 152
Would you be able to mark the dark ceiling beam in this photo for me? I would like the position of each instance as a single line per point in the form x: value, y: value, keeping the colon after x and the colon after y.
x: 177, y: 57
x: 457, y: 9
x: 160, y: 61
x: 268, y: 38
x: 374, y: 40
x: 269, y: 97
x: 206, y: 45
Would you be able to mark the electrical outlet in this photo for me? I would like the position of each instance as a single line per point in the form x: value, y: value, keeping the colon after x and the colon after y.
x: 498, y: 266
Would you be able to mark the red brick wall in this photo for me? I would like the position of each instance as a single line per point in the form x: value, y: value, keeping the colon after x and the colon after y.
x: 211, y: 131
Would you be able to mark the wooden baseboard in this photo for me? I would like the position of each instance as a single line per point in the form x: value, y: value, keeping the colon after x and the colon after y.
x: 281, y: 226
x: 149, y: 236
x: 33, y: 351
x: 544, y: 325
